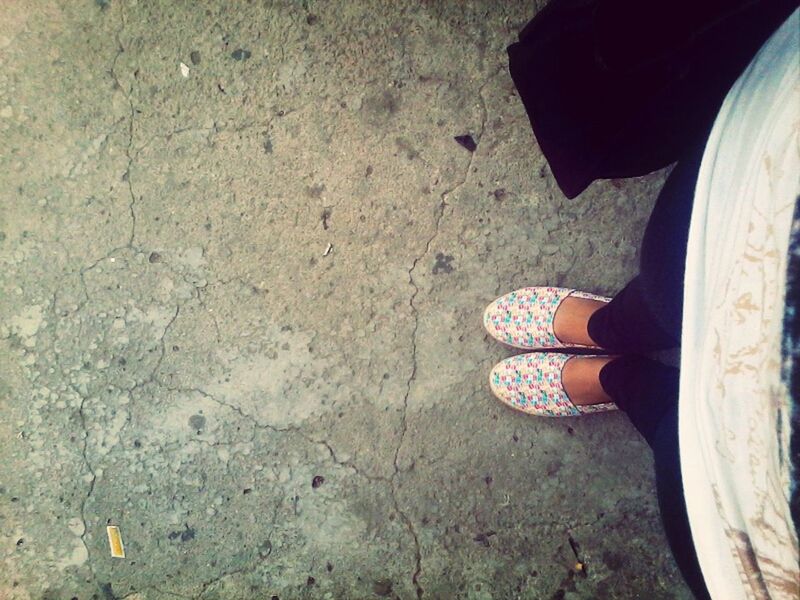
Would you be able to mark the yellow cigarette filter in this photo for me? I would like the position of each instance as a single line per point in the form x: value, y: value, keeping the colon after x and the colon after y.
x: 115, y: 541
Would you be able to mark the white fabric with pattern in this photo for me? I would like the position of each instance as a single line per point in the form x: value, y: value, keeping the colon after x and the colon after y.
x: 734, y: 411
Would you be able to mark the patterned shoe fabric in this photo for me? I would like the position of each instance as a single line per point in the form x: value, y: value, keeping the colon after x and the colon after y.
x: 531, y: 383
x: 524, y: 318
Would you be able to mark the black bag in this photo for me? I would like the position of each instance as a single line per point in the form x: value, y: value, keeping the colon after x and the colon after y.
x: 619, y: 88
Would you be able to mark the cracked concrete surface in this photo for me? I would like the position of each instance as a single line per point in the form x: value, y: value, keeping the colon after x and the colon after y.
x: 241, y: 312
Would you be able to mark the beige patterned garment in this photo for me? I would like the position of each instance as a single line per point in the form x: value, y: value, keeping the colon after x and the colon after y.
x: 734, y: 411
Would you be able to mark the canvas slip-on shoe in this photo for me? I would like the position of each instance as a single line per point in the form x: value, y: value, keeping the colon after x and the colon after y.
x: 531, y: 383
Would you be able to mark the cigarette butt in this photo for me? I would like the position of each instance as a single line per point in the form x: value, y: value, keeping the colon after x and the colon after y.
x: 115, y: 541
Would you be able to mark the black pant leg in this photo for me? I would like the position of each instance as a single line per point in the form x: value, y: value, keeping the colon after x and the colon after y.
x: 647, y: 314
x: 663, y: 259
x: 672, y: 502
x: 647, y: 391
x: 629, y: 324
x: 643, y: 389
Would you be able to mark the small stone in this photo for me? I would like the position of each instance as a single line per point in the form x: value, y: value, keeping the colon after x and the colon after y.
x: 184, y: 69
x: 265, y: 549
x: 187, y: 534
x: 467, y: 142
x: 241, y: 54
x: 194, y: 56
x: 317, y: 481
x: 443, y: 264
x: 197, y: 422
x: 483, y: 538
x: 382, y: 588
x: 154, y: 257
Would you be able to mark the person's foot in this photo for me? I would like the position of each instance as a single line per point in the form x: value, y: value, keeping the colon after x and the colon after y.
x: 571, y: 321
x: 580, y: 378
x: 543, y: 318
x: 551, y: 384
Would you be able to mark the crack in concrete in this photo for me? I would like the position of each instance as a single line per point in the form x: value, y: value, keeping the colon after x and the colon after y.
x: 204, y: 587
x: 84, y: 448
x: 417, y: 547
x: 243, y: 570
x: 152, y: 379
x: 202, y: 302
x: 84, y: 426
x: 129, y: 244
x: 170, y: 593
x: 415, y: 312
x: 131, y: 121
x: 267, y: 427
x: 257, y: 424
x: 214, y: 129
x: 85, y: 455
x: 163, y: 343
x: 263, y: 426
x: 83, y: 398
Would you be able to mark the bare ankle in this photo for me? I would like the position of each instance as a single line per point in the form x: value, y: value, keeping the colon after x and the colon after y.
x: 571, y: 321
x: 581, y: 379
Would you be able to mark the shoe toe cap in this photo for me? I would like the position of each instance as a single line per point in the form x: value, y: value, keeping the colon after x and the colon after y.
x: 502, y: 318
x: 525, y: 383
x: 511, y: 384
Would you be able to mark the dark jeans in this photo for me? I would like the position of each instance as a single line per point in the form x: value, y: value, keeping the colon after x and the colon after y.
x: 646, y: 316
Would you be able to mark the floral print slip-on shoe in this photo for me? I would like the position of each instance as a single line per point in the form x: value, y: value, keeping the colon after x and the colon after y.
x: 531, y: 383
x: 524, y: 318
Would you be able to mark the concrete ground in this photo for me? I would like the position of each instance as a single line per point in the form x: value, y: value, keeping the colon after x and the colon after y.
x: 241, y: 311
